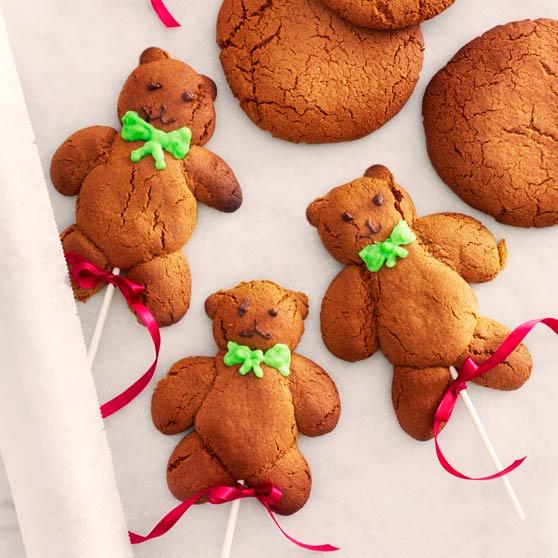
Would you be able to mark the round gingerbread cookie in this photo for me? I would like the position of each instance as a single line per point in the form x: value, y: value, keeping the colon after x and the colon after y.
x: 379, y: 14
x: 305, y: 74
x: 491, y: 123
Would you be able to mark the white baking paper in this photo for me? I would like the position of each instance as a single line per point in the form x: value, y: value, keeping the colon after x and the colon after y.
x: 51, y: 433
x: 376, y: 493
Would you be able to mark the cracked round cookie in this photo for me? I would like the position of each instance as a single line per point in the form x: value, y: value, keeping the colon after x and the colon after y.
x: 396, y: 14
x: 491, y: 123
x: 305, y: 74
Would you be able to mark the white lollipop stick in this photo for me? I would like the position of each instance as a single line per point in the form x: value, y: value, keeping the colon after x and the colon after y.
x: 475, y: 419
x: 101, y: 321
x: 229, y: 533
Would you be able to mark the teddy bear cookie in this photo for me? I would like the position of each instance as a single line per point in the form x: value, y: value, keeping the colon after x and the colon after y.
x: 396, y: 14
x: 303, y: 73
x: 248, y: 403
x: 409, y: 294
x: 491, y: 127
x: 138, y: 188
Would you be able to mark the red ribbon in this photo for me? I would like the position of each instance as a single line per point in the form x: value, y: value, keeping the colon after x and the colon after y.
x: 471, y: 370
x: 164, y: 15
x: 88, y: 276
x: 267, y: 494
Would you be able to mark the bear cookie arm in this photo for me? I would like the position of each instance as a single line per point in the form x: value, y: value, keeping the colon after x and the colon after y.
x: 178, y: 397
x: 462, y: 243
x: 78, y: 156
x: 211, y: 180
x: 315, y: 397
x: 347, y: 322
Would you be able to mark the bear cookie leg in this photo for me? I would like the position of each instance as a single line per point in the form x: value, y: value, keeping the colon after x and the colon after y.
x: 291, y: 474
x: 416, y: 393
x: 75, y: 242
x: 167, y: 284
x: 192, y: 468
x: 509, y: 375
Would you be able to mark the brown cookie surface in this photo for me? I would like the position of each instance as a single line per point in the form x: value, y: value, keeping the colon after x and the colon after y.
x: 305, y: 74
x: 396, y: 14
x: 491, y: 123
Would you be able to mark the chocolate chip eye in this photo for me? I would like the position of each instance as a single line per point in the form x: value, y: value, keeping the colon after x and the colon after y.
x: 243, y: 308
x: 273, y: 312
x: 152, y: 86
x: 347, y: 217
x: 188, y: 97
x: 378, y: 199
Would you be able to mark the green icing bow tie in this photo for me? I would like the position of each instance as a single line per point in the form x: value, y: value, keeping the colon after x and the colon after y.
x: 135, y: 128
x: 375, y: 255
x: 278, y: 357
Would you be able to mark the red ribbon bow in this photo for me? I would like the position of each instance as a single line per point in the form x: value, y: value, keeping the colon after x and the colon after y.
x: 164, y: 15
x: 88, y: 276
x: 267, y: 494
x: 471, y: 370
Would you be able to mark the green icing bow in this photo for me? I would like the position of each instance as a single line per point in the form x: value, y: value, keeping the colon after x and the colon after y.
x: 278, y: 357
x: 375, y: 255
x: 135, y: 128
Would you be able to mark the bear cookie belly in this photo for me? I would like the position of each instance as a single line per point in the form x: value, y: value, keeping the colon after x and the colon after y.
x: 133, y: 212
x: 252, y: 404
x: 427, y: 313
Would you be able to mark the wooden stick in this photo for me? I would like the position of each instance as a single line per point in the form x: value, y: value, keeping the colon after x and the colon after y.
x: 475, y: 419
x: 101, y: 321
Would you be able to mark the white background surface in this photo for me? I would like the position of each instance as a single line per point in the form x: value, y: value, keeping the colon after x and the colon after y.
x: 376, y: 492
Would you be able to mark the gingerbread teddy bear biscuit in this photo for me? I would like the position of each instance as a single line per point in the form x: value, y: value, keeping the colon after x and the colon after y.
x: 248, y: 403
x: 409, y: 294
x: 138, y: 188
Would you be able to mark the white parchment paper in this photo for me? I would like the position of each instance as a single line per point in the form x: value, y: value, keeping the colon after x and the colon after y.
x: 52, y: 437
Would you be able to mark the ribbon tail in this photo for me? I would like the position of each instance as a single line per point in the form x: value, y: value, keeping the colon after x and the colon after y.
x: 450, y: 469
x: 169, y: 521
x: 315, y: 548
x: 164, y: 15
x: 129, y: 394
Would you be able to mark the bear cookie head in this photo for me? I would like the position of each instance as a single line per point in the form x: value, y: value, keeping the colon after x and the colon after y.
x: 169, y: 94
x: 360, y: 213
x: 258, y: 314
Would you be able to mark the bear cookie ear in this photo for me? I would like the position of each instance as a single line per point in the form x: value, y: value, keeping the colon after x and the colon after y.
x: 313, y: 211
x: 380, y: 172
x: 213, y: 302
x: 301, y: 303
x: 152, y: 54
x: 209, y: 85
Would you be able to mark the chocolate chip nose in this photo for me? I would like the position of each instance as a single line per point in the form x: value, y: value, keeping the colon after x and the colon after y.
x: 374, y: 229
